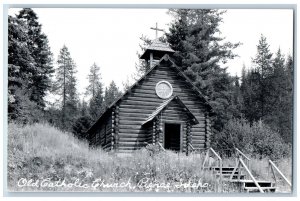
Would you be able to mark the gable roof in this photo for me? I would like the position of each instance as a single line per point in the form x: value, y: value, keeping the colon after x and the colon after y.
x: 165, y: 104
x: 172, y: 64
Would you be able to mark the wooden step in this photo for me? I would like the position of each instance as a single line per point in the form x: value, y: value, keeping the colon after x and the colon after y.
x: 225, y: 168
x: 226, y: 172
x: 255, y: 189
x: 260, y: 183
x: 250, y: 183
x: 227, y: 176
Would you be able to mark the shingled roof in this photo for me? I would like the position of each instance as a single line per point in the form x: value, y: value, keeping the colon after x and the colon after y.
x: 165, y: 58
x: 165, y: 104
x: 159, y: 46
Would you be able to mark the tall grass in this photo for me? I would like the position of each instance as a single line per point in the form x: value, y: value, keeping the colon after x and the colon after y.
x: 40, y: 151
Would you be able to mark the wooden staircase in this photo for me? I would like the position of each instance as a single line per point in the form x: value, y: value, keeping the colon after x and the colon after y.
x: 226, y: 173
x: 239, y: 175
x: 240, y: 179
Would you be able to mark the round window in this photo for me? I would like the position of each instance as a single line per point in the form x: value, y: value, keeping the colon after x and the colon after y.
x: 164, y: 89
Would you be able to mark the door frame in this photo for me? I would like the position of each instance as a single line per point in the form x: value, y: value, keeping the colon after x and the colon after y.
x: 180, y: 123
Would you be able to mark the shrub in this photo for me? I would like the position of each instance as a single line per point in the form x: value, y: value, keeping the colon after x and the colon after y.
x: 257, y: 139
x: 81, y: 125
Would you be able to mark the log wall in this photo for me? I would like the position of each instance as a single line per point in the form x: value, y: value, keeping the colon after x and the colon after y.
x: 135, y: 107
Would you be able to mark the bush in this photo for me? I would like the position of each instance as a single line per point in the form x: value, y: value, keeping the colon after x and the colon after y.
x: 257, y: 139
x: 81, y: 125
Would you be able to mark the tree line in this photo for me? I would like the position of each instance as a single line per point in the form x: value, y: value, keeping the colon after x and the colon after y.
x: 31, y: 76
x: 261, y: 98
x: 263, y: 94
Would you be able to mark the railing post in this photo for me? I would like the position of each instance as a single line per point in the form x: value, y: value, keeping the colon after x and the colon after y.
x: 276, y: 168
x: 221, y: 175
x: 253, y: 179
x: 206, y: 157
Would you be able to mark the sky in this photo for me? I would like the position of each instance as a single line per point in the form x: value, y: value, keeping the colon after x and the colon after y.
x: 110, y: 37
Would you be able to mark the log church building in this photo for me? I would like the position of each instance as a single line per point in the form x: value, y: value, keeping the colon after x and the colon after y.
x: 163, y: 107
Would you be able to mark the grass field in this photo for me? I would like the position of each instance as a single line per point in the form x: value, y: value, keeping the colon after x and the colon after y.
x: 42, y: 158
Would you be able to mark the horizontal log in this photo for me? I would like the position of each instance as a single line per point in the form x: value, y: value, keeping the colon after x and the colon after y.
x: 201, y: 137
x: 138, y: 103
x: 148, y: 105
x: 198, y: 129
x: 126, y: 130
x: 151, y: 87
x: 198, y: 141
x: 152, y: 97
x: 124, y: 115
x: 132, y: 135
x: 132, y: 146
x: 132, y: 118
x: 131, y: 122
x: 144, y: 105
x: 132, y: 143
x: 138, y: 110
x: 143, y: 99
x: 198, y: 133
x: 184, y: 93
x: 158, y: 78
x: 135, y: 127
x: 128, y: 149
x: 174, y: 118
x: 151, y: 83
x: 108, y: 145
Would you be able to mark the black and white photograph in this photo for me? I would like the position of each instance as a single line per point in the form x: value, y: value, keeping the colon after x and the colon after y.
x: 191, y: 100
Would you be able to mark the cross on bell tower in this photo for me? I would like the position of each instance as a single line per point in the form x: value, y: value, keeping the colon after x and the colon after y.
x: 156, y: 30
x: 156, y: 50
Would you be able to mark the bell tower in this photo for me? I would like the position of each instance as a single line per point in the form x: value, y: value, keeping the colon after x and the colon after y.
x: 156, y: 50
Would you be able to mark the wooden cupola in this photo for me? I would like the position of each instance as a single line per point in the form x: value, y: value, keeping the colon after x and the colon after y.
x: 156, y: 50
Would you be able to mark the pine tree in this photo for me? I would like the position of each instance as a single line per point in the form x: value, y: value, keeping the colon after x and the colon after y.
x: 264, y: 70
x: 65, y: 86
x: 287, y: 132
x: 250, y: 89
x: 280, y: 117
x: 199, y: 52
x: 80, y: 126
x: 83, y: 108
x: 111, y: 94
x: 95, y: 89
x: 94, y: 78
x: 21, y: 68
x: 39, y: 49
x: 97, y: 105
x: 236, y: 104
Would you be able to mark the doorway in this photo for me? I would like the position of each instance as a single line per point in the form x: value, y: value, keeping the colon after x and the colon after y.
x: 172, y: 136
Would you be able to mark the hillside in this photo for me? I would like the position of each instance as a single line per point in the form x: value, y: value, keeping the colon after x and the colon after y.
x: 56, y: 161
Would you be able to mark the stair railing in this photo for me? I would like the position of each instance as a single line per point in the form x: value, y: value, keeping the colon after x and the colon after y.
x: 240, y: 153
x: 220, y: 163
x: 241, y: 162
x: 273, y: 166
x: 160, y: 145
x: 192, y: 147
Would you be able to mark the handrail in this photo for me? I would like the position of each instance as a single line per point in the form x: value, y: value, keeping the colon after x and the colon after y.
x: 253, y: 179
x: 213, y: 151
x: 276, y: 168
x: 220, y: 166
x: 161, y: 146
x: 241, y: 153
x: 193, y: 149
x: 196, y: 149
